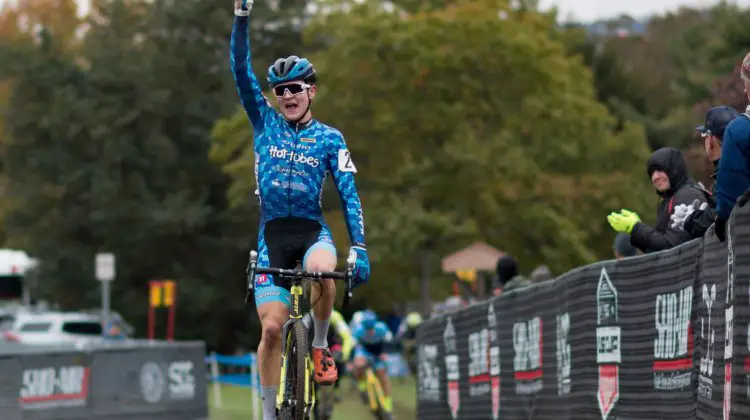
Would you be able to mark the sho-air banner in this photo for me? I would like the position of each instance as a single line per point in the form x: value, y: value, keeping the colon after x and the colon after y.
x: 664, y: 335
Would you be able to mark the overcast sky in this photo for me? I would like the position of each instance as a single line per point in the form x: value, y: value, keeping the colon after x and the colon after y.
x: 589, y: 10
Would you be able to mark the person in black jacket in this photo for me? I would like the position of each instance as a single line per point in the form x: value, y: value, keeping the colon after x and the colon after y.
x: 696, y: 218
x: 668, y: 172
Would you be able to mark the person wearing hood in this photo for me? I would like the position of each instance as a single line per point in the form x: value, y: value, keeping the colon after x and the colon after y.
x: 507, y: 274
x: 733, y: 179
x: 697, y: 218
x: 668, y: 173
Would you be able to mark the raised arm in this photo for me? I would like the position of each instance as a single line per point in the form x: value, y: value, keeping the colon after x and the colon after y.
x: 251, y: 94
x: 342, y: 168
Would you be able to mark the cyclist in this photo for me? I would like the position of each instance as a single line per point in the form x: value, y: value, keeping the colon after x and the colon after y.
x: 407, y: 333
x: 371, y: 336
x: 356, y: 317
x: 293, y: 155
x: 408, y: 328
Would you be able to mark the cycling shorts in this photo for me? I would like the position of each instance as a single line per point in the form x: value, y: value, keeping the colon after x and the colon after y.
x: 283, y: 243
x: 373, y: 359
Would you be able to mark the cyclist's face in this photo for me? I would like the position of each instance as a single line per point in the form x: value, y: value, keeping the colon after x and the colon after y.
x: 294, y: 99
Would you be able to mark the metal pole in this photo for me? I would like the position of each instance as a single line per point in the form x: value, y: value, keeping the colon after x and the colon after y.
x: 105, y: 304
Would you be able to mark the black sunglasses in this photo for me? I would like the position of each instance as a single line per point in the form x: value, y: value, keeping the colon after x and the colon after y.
x: 293, y: 88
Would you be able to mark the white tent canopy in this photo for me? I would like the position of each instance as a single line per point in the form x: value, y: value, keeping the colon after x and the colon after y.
x: 15, y: 263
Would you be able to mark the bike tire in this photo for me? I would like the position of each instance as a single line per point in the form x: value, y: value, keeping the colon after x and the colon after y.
x: 300, y: 344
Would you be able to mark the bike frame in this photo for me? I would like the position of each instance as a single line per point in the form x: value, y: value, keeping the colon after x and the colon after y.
x: 297, y: 293
x: 375, y: 393
x: 295, y: 316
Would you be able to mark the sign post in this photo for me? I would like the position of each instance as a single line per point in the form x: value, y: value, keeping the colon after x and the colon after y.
x: 161, y: 294
x: 105, y: 273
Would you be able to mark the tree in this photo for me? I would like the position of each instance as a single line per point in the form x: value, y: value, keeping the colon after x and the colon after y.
x: 458, y: 140
x: 109, y: 151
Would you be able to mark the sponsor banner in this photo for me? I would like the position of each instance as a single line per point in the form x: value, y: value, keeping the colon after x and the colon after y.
x: 159, y: 379
x: 10, y: 382
x: 54, y: 386
x: 710, y: 297
x: 664, y: 335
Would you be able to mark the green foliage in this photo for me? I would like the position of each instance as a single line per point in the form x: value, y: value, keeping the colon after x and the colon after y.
x: 457, y: 140
x: 109, y: 152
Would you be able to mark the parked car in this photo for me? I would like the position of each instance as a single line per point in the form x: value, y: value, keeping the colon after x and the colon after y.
x: 55, y: 328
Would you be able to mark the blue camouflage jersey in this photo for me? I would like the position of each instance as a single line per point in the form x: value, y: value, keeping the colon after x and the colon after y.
x: 292, y: 160
x: 372, y: 340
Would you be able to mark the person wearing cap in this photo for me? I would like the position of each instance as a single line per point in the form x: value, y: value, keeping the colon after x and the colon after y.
x: 733, y: 178
x: 698, y: 217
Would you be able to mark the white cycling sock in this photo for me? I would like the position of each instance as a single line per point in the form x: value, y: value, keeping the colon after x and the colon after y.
x: 321, y: 333
x: 268, y: 394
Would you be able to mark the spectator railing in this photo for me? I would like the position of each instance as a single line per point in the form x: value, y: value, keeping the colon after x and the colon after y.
x: 127, y: 381
x: 235, y: 371
x: 660, y: 336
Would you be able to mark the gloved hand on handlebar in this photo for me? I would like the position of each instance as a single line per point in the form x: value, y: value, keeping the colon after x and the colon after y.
x: 242, y: 7
x: 361, y: 267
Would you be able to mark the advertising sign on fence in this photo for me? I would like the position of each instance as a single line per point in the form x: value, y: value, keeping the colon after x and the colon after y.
x: 154, y: 381
x: 664, y: 335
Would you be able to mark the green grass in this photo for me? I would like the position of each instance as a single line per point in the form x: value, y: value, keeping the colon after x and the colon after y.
x: 237, y: 402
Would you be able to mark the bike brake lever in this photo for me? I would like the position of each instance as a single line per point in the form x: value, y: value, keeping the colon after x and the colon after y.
x: 250, y: 274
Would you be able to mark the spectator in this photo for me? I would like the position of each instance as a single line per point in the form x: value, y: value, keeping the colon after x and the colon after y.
x: 733, y: 178
x: 540, y: 274
x: 623, y: 248
x: 507, y: 274
x: 695, y: 218
x: 668, y: 172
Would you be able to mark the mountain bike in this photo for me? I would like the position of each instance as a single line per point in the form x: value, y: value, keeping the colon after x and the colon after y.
x: 296, y: 397
x: 375, y: 395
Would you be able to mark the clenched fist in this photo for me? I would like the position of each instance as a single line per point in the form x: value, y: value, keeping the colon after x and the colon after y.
x: 242, y: 7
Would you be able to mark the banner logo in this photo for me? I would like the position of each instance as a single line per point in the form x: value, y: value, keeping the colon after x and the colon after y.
x: 527, y: 362
x: 708, y: 335
x: 729, y: 326
x: 608, y: 345
x: 673, y: 346
x: 153, y: 383
x: 51, y: 387
x: 429, y: 373
x: 452, y: 372
x: 494, y: 361
x: 563, y: 354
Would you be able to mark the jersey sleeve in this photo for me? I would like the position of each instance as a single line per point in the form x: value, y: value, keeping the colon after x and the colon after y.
x: 385, y: 333
x: 251, y: 94
x: 342, y: 169
x: 347, y: 340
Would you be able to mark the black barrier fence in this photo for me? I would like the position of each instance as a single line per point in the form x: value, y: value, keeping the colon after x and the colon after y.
x: 660, y: 336
x: 149, y: 381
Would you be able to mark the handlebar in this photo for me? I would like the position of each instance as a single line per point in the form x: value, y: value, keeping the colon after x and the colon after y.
x: 252, y: 270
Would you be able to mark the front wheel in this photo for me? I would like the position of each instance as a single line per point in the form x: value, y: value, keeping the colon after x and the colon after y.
x: 293, y: 407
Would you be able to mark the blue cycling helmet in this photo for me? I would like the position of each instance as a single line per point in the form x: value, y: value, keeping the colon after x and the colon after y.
x: 368, y: 320
x: 289, y: 69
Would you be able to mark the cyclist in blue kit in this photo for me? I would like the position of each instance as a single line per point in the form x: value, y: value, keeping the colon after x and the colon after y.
x: 294, y: 153
x: 371, y: 336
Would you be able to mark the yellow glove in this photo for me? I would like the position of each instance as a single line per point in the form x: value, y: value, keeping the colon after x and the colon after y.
x: 623, y: 221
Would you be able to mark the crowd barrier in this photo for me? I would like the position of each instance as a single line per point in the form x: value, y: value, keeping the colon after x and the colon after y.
x: 239, y: 371
x: 660, y: 336
x: 135, y: 381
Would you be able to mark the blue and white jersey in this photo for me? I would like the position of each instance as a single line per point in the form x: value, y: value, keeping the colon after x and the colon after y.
x: 373, y: 339
x: 293, y: 160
